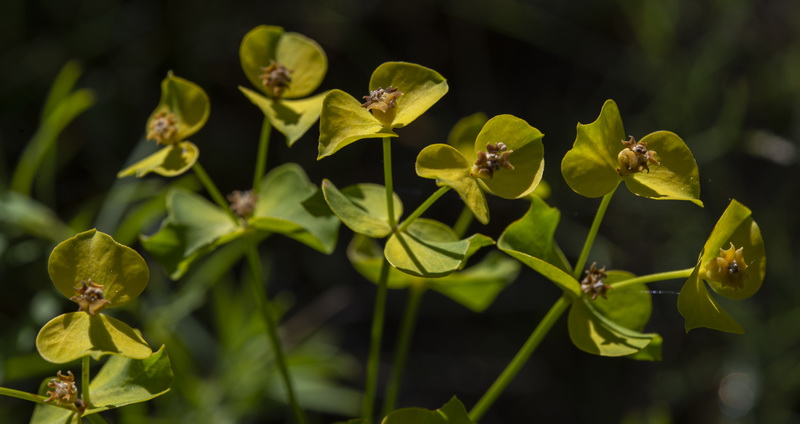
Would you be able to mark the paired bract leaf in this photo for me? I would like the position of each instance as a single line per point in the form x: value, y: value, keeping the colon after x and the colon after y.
x: 463, y: 134
x: 170, y: 161
x: 292, y: 118
x: 475, y: 287
x: 592, y: 332
x: 453, y: 412
x: 194, y: 227
x: 449, y: 168
x: 590, y: 167
x: 187, y: 101
x: 737, y: 227
x: 74, y: 335
x: 344, y: 121
x: 303, y: 57
x: 93, y: 255
x: 362, y: 207
x: 292, y: 205
x: 429, y: 248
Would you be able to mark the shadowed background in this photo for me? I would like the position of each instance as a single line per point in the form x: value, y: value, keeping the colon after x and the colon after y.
x: 725, y: 76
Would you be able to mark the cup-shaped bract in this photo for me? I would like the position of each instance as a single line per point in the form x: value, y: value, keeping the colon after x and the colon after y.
x: 659, y: 166
x: 404, y: 90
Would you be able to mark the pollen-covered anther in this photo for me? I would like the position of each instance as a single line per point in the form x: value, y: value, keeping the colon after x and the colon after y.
x: 594, y: 282
x: 275, y: 78
x: 89, y: 297
x: 493, y: 159
x: 64, y: 389
x: 382, y: 99
x: 243, y: 203
x: 163, y: 128
x: 729, y: 268
x: 635, y: 157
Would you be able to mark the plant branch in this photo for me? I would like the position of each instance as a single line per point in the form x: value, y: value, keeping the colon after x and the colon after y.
x: 5, y: 391
x: 387, y: 181
x: 85, y: 379
x: 415, y: 293
x: 212, y: 189
x: 423, y: 207
x: 261, y: 158
x: 587, y: 245
x: 652, y: 278
x: 373, y: 362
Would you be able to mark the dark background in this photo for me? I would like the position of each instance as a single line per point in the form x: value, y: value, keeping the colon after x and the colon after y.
x: 724, y: 75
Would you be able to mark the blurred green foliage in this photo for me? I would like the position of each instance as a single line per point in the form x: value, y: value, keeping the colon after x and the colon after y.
x: 722, y: 75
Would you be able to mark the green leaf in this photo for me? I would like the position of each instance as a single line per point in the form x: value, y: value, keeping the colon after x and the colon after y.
x: 629, y: 306
x: 421, y: 88
x: 593, y: 333
x: 590, y: 166
x: 362, y: 207
x: 366, y: 255
x: 699, y: 308
x: 123, y: 381
x: 463, y: 134
x: 170, y: 161
x: 534, y: 236
x: 343, y: 121
x: 476, y: 287
x: 453, y: 412
x: 429, y: 248
x: 32, y: 217
x: 736, y: 225
x: 677, y: 178
x: 187, y: 101
x: 291, y: 205
x: 292, y: 118
x: 304, y: 58
x: 528, y: 156
x: 49, y: 414
x: 96, y: 256
x: 193, y: 228
x: 651, y: 352
x: 449, y: 168
x: 74, y: 335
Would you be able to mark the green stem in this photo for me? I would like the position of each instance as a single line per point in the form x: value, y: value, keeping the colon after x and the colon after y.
x: 520, y: 359
x: 214, y: 191
x: 423, y: 207
x: 587, y: 245
x: 5, y: 391
x: 373, y: 362
x: 260, y: 295
x: 387, y: 181
x: 85, y: 364
x: 403, y: 346
x: 463, y: 222
x: 661, y: 276
x: 261, y: 158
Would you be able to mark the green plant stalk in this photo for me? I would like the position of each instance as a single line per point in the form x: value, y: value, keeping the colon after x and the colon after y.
x: 652, y: 278
x: 520, y: 358
x: 85, y: 371
x: 212, y: 189
x: 403, y: 345
x: 423, y: 207
x: 587, y: 245
x: 387, y: 181
x: 373, y: 361
x: 5, y: 391
x: 463, y: 222
x: 261, y: 158
x: 261, y: 297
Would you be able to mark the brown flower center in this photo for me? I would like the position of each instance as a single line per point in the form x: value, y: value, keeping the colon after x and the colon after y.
x: 275, y: 78
x: 493, y: 159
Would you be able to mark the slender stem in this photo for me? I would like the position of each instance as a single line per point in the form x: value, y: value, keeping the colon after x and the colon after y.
x: 387, y: 180
x: 661, y: 276
x: 463, y: 222
x: 261, y: 158
x: 5, y: 391
x: 373, y: 362
x: 214, y: 191
x: 423, y: 207
x: 85, y: 380
x: 520, y: 359
x: 415, y: 293
x: 260, y: 294
x: 587, y: 245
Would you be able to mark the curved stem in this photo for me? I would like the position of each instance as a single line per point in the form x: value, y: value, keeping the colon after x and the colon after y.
x: 587, y: 245
x: 661, y: 276
x: 5, y: 391
x: 373, y: 362
x: 463, y: 222
x: 415, y: 293
x: 261, y: 158
x: 387, y: 181
x: 213, y: 191
x: 520, y: 359
x: 423, y: 207
x: 260, y: 294
x: 85, y: 379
